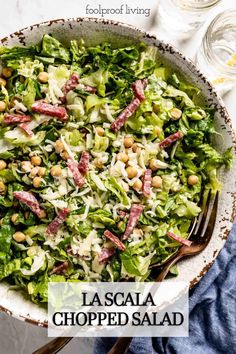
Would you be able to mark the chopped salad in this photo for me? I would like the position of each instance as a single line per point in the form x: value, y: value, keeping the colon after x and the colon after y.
x: 105, y: 155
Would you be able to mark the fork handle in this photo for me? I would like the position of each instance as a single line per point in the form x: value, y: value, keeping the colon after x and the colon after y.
x: 121, y: 345
x: 161, y: 276
x: 53, y: 346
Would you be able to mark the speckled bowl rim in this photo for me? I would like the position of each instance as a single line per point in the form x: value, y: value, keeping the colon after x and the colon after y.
x: 183, y: 58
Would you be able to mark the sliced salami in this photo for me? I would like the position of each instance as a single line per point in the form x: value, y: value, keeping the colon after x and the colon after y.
x: 26, y: 129
x: 15, y: 118
x: 125, y: 114
x: 138, y: 88
x: 60, y: 268
x: 135, y: 212
x: 56, y: 223
x: 170, y: 139
x: 147, y: 180
x: 105, y: 254
x: 122, y: 214
x: 83, y: 164
x: 28, y: 199
x: 115, y: 240
x: 179, y: 239
x: 74, y: 168
x: 50, y: 110
x: 89, y: 89
x: 70, y: 85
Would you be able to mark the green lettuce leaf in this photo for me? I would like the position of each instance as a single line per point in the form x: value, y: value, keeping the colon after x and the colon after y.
x: 101, y: 216
x: 51, y: 47
x: 115, y: 188
x: 9, y: 268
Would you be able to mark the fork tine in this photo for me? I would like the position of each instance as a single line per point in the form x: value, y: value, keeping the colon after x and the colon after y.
x: 207, y: 223
x: 211, y: 218
x: 202, y: 217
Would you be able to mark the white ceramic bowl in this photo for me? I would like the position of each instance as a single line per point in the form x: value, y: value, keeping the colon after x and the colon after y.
x: 95, y: 31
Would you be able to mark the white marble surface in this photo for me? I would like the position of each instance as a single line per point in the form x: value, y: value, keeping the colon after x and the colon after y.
x: 17, y: 337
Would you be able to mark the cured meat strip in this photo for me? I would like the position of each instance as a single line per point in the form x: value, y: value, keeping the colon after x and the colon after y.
x: 15, y: 118
x: 90, y: 89
x: 171, y: 139
x: 70, y: 85
x: 74, y: 168
x: 122, y: 214
x: 28, y: 199
x: 138, y: 88
x: 50, y: 110
x: 55, y: 225
x: 115, y: 240
x: 125, y: 114
x: 179, y: 239
x: 135, y: 212
x: 26, y: 129
x: 60, y: 268
x: 147, y: 180
x: 83, y: 164
x: 105, y: 254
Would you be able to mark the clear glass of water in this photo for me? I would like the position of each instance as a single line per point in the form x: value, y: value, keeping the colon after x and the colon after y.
x: 216, y: 56
x: 181, y: 18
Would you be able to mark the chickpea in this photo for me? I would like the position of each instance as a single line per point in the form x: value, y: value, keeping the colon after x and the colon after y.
x: 41, y: 171
x: 100, y: 131
x: 37, y: 181
x: 98, y: 163
x: 176, y: 113
x: 59, y: 147
x: 55, y: 171
x: 153, y: 165
x: 131, y: 171
x: 122, y: 157
x: 192, y: 180
x: 136, y: 149
x: 7, y: 72
x: 137, y: 185
x: 2, y: 106
x: 14, y: 217
x: 64, y: 155
x: 43, y: 77
x: 157, y: 182
x: 42, y: 214
x: 2, y: 188
x: 36, y: 160
x: 19, y: 236
x: 128, y: 141
x: 3, y: 165
x: 138, y: 232
x: 33, y: 172
x: 2, y: 82
x: 26, y: 166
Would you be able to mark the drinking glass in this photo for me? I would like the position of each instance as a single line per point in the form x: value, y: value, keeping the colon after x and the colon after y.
x: 216, y: 56
x: 181, y: 18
